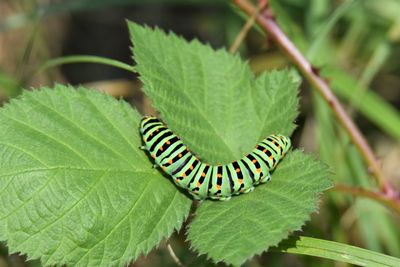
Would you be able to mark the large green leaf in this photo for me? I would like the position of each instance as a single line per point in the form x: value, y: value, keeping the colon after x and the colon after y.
x: 75, y: 188
x: 211, y: 98
x: 236, y: 230
x: 213, y: 101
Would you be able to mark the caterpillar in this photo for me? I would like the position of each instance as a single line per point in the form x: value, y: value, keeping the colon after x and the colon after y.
x: 202, y: 180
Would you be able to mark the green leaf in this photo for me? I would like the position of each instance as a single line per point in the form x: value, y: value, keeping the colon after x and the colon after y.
x: 211, y: 98
x: 75, y: 188
x: 247, y: 225
x: 213, y: 101
x: 337, y: 251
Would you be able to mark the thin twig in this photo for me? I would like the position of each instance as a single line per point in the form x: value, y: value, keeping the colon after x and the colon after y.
x: 391, y: 201
x: 267, y: 22
x: 246, y: 27
x: 173, y: 256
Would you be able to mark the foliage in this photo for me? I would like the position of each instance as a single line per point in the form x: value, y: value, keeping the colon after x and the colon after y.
x: 76, y: 189
x: 81, y: 185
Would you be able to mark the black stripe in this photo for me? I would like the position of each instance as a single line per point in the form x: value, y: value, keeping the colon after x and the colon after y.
x: 172, y: 141
x: 261, y: 158
x: 150, y: 121
x: 172, y: 152
x: 181, y: 166
x: 236, y: 166
x: 273, y: 161
x: 231, y: 183
x: 262, y: 148
x: 251, y: 174
x: 157, y: 133
x: 278, y: 145
x: 274, y: 138
x: 270, y: 147
x: 219, y: 171
x: 152, y: 127
x: 201, y: 179
x: 194, y: 176
x: 189, y: 171
x: 176, y: 158
x: 164, y: 147
x: 251, y: 158
x: 159, y: 138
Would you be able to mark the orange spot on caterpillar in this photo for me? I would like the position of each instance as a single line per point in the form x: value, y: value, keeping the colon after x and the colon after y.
x: 259, y: 170
x: 203, y: 174
x: 237, y: 170
x: 191, y: 167
x: 183, y: 175
x: 219, y: 175
x: 153, y: 156
x: 180, y: 155
x: 198, y: 184
x: 161, y: 148
x: 240, y: 181
x: 265, y: 150
x: 168, y: 142
x: 271, y: 157
x: 170, y: 161
x: 218, y: 187
x: 254, y: 161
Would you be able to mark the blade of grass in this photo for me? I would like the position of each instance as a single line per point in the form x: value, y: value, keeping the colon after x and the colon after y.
x: 370, y: 105
x: 322, y: 34
x: 85, y: 59
x: 336, y: 251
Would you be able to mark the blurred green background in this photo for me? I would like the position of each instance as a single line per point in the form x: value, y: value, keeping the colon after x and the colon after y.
x: 356, y: 45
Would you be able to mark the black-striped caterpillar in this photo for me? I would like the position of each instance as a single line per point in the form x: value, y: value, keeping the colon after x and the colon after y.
x: 206, y: 181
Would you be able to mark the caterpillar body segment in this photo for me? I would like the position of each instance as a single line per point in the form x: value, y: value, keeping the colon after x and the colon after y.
x: 202, y: 180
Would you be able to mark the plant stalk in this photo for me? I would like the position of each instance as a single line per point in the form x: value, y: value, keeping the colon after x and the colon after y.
x: 268, y: 23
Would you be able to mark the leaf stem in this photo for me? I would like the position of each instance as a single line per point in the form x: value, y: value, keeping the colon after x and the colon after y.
x: 85, y: 59
x: 392, y: 201
x: 268, y: 23
x: 173, y: 256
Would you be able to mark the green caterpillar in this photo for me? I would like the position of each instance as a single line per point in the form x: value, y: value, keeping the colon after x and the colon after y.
x: 202, y: 180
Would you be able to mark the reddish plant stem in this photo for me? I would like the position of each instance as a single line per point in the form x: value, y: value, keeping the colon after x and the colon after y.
x: 391, y: 201
x: 267, y: 22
